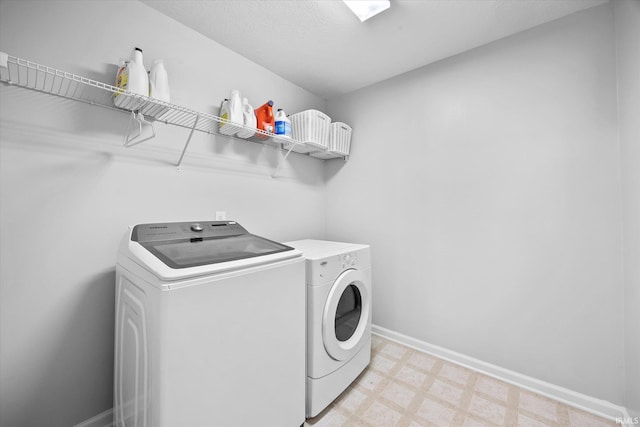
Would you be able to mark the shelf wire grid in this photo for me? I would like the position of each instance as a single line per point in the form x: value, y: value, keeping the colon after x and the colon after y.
x: 41, y: 78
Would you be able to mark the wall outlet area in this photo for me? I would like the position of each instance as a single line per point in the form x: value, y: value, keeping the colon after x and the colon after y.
x: 221, y: 216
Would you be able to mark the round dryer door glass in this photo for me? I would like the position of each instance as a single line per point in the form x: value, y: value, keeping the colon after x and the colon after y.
x: 346, y: 318
x: 348, y: 313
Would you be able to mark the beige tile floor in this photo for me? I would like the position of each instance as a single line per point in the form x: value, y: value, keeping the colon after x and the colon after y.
x: 403, y: 387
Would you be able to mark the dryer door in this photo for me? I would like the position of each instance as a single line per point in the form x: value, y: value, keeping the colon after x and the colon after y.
x: 346, y: 315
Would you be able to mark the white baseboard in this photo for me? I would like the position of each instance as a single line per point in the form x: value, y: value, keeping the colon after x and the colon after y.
x: 586, y: 403
x: 104, y: 419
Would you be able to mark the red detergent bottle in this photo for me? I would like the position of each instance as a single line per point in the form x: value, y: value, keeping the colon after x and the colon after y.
x: 265, y: 118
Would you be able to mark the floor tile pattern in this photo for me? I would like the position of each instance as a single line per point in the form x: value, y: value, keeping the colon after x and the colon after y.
x: 403, y: 387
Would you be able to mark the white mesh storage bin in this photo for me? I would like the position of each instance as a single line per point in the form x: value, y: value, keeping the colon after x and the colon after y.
x: 312, y: 128
x: 339, y: 142
x: 340, y: 138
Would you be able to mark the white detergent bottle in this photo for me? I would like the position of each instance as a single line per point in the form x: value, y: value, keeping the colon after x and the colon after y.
x: 134, y: 79
x: 224, y: 115
x: 235, y: 108
x: 283, y: 124
x: 138, y: 79
x: 122, y: 81
x: 249, y: 120
x: 231, y: 113
x: 159, y: 82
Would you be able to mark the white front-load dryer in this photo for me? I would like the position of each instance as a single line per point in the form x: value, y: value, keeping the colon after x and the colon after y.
x: 338, y: 277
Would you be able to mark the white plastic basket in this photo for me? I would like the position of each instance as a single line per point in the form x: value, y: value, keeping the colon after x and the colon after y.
x: 339, y: 142
x: 339, y: 138
x: 312, y: 128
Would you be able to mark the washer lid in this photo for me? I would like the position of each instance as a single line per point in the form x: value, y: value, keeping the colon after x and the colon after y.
x: 192, y: 244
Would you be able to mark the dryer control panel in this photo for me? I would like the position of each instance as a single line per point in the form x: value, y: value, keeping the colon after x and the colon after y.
x: 349, y: 259
x: 326, y: 260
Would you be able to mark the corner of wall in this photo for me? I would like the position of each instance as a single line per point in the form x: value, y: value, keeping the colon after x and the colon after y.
x: 627, y: 44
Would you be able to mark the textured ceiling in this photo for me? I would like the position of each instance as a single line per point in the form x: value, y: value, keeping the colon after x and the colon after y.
x: 321, y: 46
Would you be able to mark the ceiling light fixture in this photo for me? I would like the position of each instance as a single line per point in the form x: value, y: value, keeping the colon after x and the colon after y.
x: 366, y: 9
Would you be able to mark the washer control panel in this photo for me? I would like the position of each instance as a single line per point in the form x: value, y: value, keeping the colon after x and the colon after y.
x: 145, y: 233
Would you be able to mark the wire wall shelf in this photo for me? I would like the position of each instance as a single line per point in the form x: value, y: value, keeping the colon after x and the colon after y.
x: 144, y: 111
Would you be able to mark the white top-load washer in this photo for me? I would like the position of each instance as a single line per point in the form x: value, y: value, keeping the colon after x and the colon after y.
x: 338, y: 277
x: 210, y: 328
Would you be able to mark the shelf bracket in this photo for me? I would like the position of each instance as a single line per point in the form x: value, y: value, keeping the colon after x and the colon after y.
x: 195, y: 123
x: 129, y: 141
x: 275, y: 172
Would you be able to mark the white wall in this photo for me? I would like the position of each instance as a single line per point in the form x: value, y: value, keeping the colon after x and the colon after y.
x: 488, y: 185
x: 627, y: 23
x: 68, y: 191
